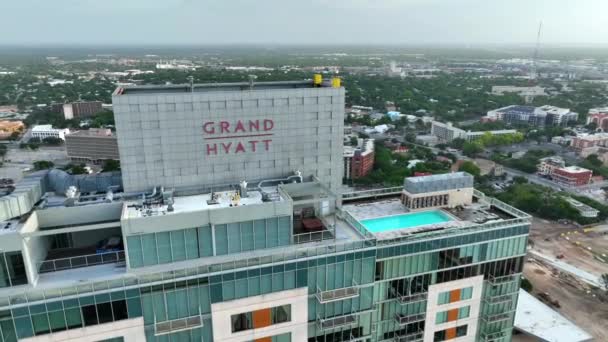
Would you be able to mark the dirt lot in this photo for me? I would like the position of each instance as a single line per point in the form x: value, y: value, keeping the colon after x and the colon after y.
x: 579, y: 302
x: 546, y: 237
x: 586, y: 307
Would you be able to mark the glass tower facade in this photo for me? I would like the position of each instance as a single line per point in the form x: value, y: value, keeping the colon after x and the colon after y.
x: 369, y: 291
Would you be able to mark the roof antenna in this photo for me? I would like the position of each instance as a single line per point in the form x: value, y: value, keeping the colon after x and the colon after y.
x: 191, y: 81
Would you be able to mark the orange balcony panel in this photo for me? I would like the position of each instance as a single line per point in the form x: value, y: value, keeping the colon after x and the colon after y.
x: 450, y: 333
x: 261, y: 318
x: 454, y: 295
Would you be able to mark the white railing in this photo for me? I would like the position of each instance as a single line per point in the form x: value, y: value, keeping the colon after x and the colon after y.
x: 502, y: 298
x: 498, y: 317
x: 334, y: 322
x: 492, y: 280
x: 180, y: 324
x: 407, y: 319
x: 328, y: 296
x: 372, y: 193
x: 494, y: 336
x: 350, y: 219
x: 409, y: 298
x: 411, y: 337
x: 80, y: 261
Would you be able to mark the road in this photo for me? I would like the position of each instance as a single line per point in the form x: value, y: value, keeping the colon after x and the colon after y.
x: 579, y: 190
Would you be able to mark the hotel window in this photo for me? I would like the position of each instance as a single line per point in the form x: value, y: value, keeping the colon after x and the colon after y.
x: 449, y: 334
x: 452, y: 315
x: 455, y: 295
x: 261, y: 318
x: 281, y: 314
x: 241, y: 322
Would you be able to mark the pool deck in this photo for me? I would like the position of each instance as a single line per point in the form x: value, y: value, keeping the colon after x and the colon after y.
x: 391, y: 207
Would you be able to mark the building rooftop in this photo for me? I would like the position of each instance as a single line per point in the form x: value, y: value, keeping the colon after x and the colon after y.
x: 211, y: 87
x: 517, y: 109
x: 94, y: 132
x: 535, y: 318
x: 482, y: 213
x: 182, y: 204
x: 440, y: 182
x: 574, y: 169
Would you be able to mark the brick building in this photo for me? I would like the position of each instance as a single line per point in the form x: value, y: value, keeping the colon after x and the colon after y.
x: 572, y: 176
x: 359, y: 161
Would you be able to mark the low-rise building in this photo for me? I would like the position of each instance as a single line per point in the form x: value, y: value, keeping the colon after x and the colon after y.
x: 47, y: 131
x: 92, y: 146
x: 600, y: 152
x: 548, y: 164
x: 545, y: 116
x: 582, y: 208
x: 572, y: 176
x: 359, y: 160
x: 80, y: 109
x: 565, y: 141
x: 446, y: 132
x: 429, y: 140
x: 447, y: 190
x: 528, y: 93
x: 489, y: 168
x: 599, y: 116
x: 7, y: 128
x: 583, y: 141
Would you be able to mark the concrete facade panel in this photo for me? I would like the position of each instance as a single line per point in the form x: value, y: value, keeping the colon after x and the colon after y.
x: 228, y: 136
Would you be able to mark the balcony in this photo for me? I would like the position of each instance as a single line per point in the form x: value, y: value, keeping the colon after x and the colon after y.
x: 409, y: 298
x: 407, y: 319
x: 61, y: 264
x: 409, y: 337
x: 334, y: 322
x: 180, y: 324
x: 337, y: 294
x: 353, y: 338
x: 499, y: 299
x: 494, y: 318
x: 494, y: 281
x: 493, y: 336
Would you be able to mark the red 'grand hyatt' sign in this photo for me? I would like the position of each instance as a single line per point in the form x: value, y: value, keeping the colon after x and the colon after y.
x: 252, y: 136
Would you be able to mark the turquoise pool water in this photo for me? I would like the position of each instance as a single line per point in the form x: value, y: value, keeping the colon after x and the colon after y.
x: 383, y: 224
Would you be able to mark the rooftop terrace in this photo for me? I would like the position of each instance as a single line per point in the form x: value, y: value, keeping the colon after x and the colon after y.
x: 348, y: 234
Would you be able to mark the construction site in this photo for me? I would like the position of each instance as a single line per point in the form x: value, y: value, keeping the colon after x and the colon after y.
x: 565, y: 265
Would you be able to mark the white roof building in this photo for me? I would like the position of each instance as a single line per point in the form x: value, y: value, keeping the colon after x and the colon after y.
x: 47, y: 131
x: 535, y: 318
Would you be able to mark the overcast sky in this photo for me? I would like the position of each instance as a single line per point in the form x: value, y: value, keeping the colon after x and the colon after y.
x: 146, y: 22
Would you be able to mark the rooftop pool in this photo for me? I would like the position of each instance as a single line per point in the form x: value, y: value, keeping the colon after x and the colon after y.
x: 395, y: 222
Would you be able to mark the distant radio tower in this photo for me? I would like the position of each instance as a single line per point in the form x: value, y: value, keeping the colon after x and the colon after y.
x: 534, y: 71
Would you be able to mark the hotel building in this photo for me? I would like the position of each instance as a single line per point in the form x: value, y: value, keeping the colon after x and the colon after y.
x: 204, y: 242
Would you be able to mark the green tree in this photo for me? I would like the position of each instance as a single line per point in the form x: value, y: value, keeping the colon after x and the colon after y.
x: 14, y: 136
x: 457, y: 143
x: 43, y: 164
x: 594, y: 160
x: 520, y: 180
x: 353, y: 141
x: 111, y: 165
x: 76, y: 169
x: 471, y: 149
x: 52, y: 141
x: 471, y: 168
